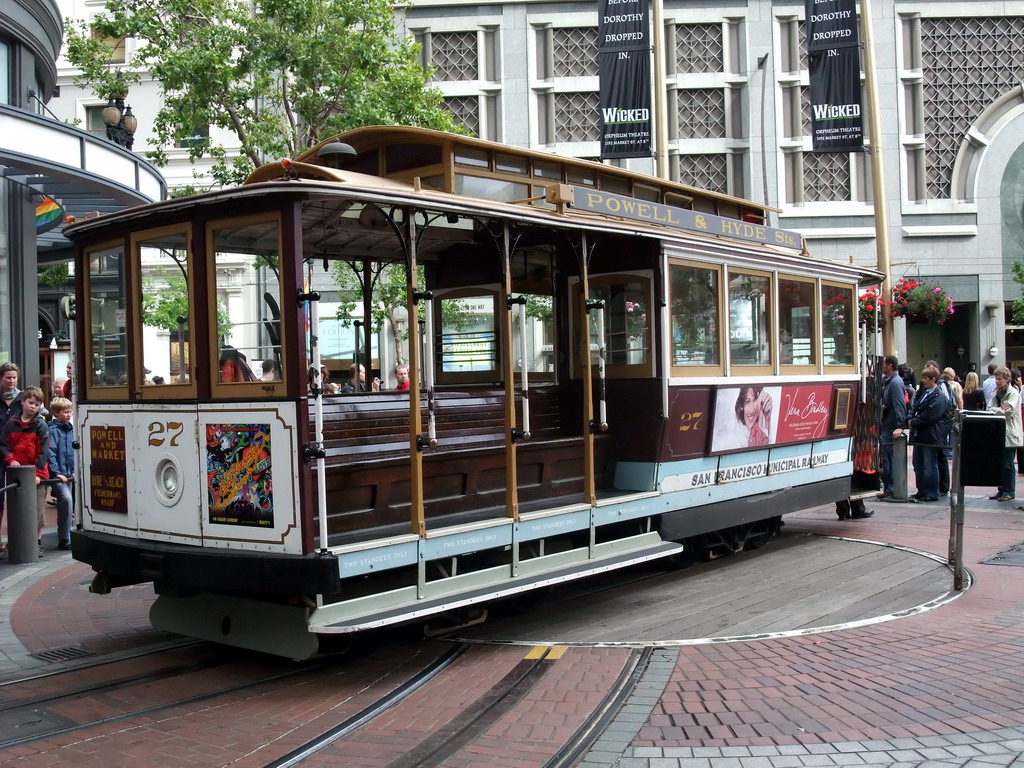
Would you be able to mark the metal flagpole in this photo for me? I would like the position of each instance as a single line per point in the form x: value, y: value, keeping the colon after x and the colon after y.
x: 660, y: 115
x: 877, y: 178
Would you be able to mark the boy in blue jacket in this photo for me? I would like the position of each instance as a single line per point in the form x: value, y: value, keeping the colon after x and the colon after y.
x: 62, y: 467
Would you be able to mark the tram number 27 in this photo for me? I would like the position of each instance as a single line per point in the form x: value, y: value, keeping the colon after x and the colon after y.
x: 160, y: 433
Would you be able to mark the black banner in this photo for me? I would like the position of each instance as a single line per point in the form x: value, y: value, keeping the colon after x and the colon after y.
x: 837, y: 122
x: 831, y: 24
x: 833, y: 47
x: 624, y: 65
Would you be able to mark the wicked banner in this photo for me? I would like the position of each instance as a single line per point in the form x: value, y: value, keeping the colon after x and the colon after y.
x: 624, y: 49
x: 833, y: 46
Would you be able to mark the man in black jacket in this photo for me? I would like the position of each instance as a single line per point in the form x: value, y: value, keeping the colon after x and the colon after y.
x: 894, y: 419
x: 926, y: 435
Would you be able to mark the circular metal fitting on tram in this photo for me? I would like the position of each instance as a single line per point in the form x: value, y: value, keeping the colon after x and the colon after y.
x: 168, y: 480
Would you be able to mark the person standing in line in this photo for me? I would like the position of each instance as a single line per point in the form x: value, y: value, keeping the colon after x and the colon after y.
x: 8, y: 397
x: 925, y: 425
x: 1006, y: 401
x: 989, y: 384
x: 62, y: 467
x: 945, y: 428
x: 974, y: 395
x: 24, y: 442
x: 954, y: 386
x: 894, y: 419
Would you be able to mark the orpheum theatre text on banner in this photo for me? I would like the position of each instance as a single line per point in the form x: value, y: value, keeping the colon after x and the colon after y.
x: 624, y: 67
x: 833, y: 48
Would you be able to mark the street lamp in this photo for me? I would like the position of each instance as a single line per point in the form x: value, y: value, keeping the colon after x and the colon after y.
x: 121, y: 123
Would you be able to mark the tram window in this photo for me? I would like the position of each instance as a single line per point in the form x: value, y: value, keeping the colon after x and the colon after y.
x: 167, y: 294
x: 749, y: 319
x: 580, y: 176
x: 107, y: 343
x: 511, y: 164
x: 490, y: 189
x: 404, y: 157
x: 246, y: 301
x: 466, y: 338
x: 476, y: 158
x: 838, y: 322
x: 797, y: 317
x: 627, y: 321
x: 696, y: 305
x: 545, y: 170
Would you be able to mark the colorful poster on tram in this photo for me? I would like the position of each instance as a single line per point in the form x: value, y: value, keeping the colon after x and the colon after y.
x: 757, y: 417
x: 238, y: 474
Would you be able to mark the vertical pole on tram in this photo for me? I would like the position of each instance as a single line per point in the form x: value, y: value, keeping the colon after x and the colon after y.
x: 416, y: 443
x: 508, y: 372
x: 589, y: 480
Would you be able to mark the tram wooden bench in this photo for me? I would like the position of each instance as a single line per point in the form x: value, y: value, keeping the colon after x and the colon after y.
x: 366, y: 439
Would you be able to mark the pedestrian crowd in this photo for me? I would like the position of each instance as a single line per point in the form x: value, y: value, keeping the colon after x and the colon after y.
x: 32, y: 435
x: 926, y: 411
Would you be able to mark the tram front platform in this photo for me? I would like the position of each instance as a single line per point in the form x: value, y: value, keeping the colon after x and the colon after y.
x: 841, y: 643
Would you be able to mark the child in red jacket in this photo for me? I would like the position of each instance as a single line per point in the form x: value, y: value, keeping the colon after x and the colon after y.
x: 25, y: 441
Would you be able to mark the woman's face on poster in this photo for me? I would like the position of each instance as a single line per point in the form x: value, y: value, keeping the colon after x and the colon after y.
x: 751, y: 407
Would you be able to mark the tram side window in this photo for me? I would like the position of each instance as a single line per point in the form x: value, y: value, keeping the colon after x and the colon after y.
x: 797, y: 318
x: 627, y: 320
x: 167, y: 311
x: 107, y: 340
x: 466, y: 339
x: 247, y: 293
x: 696, y: 303
x: 749, y: 319
x: 838, y: 322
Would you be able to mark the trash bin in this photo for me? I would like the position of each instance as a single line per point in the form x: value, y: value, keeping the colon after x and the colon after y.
x: 982, y: 439
x: 22, y: 516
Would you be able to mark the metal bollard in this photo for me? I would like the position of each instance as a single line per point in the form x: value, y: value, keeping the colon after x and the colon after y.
x: 899, y: 468
x: 22, y: 516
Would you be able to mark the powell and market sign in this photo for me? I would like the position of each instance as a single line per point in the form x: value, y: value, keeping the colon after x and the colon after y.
x: 681, y: 218
x: 833, y: 50
x: 624, y: 69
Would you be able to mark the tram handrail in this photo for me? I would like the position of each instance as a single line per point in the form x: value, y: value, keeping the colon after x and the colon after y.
x: 428, y: 374
x: 318, y: 415
x: 523, y: 366
x: 602, y: 350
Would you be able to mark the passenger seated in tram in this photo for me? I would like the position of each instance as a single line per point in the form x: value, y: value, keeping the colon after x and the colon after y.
x: 357, y: 381
x: 234, y: 366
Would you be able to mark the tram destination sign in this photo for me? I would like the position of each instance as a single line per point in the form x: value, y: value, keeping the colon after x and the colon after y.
x: 611, y: 204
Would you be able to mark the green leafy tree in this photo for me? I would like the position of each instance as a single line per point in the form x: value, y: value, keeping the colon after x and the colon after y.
x: 280, y: 75
x: 54, y: 275
x: 387, y: 288
x: 165, y: 300
x: 1017, y: 305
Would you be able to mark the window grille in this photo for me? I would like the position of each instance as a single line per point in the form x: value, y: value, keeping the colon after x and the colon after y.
x: 826, y: 176
x: 454, y: 56
x: 699, y: 48
x: 967, y: 63
x: 710, y: 172
x: 576, y: 117
x: 465, y: 110
x: 701, y: 113
x: 575, y: 51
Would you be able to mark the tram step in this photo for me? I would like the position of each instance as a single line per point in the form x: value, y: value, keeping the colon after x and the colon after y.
x: 324, y: 622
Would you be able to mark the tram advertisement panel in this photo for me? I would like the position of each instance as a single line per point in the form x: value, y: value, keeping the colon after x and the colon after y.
x: 238, y: 464
x: 753, y: 417
x: 108, y: 473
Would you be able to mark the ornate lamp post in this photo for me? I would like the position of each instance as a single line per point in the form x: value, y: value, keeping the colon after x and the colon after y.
x: 121, y: 123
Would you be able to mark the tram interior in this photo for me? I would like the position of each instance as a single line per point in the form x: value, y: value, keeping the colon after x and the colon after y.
x: 366, y: 435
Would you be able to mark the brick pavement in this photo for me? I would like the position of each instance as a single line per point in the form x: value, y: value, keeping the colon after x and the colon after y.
x: 940, y: 688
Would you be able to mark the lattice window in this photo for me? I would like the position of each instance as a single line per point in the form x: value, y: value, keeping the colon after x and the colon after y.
x: 699, y: 48
x: 454, y: 56
x: 465, y: 110
x: 967, y: 63
x: 701, y: 113
x: 826, y: 176
x: 575, y: 51
x: 710, y: 172
x: 576, y: 117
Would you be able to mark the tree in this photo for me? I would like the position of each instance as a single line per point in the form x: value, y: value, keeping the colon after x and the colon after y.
x: 164, y: 304
x: 1017, y: 305
x: 280, y: 75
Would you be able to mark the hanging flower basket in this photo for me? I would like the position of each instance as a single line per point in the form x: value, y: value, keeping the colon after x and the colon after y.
x: 870, y: 304
x: 919, y: 301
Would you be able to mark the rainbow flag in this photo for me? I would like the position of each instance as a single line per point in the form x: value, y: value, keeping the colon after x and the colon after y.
x: 48, y: 214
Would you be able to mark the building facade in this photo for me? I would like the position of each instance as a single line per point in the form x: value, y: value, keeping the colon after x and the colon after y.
x: 950, y: 104
x: 40, y: 157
